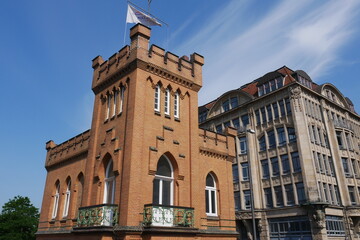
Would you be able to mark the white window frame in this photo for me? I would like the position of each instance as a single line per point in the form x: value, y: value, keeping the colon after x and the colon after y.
x: 208, y: 191
x: 157, y: 98
x: 108, y: 107
x: 67, y: 199
x: 107, y: 182
x: 176, y: 105
x: 116, y: 93
x: 167, y: 102
x: 56, y: 202
x: 162, y: 179
x: 121, y: 99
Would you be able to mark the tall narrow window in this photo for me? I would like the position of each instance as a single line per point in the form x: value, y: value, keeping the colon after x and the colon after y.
x: 108, y: 107
x: 269, y: 112
x: 245, y: 171
x: 262, y: 143
x: 163, y: 185
x: 67, y: 199
x: 296, y: 162
x: 234, y: 102
x: 121, y: 99
x: 271, y: 138
x: 157, y: 98
x: 300, y: 192
x: 56, y: 201
x: 276, y: 110
x: 242, y: 141
x: 210, y: 196
x: 281, y: 136
x: 265, y: 168
x: 116, y: 93
x: 245, y: 120
x: 282, y: 107
x: 236, y: 123
x: 237, y: 200
x: 285, y: 164
x: 268, y: 198
x: 279, y: 196
x: 109, y: 186
x: 167, y: 102
x: 176, y: 105
x: 289, y: 194
x: 288, y: 105
x: 291, y: 134
x: 275, y: 166
x: 235, y: 170
x: 247, y: 199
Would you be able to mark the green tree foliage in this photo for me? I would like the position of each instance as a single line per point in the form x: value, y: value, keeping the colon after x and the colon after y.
x: 18, y: 219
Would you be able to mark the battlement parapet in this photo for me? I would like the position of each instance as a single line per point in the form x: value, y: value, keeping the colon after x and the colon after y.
x: 67, y: 150
x: 138, y: 55
x: 217, y: 144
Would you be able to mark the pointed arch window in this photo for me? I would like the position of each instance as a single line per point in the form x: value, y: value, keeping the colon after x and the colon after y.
x: 167, y: 102
x: 157, y: 98
x: 67, y: 199
x: 121, y: 99
x: 210, y: 196
x: 109, y: 188
x: 163, y: 185
x: 176, y: 105
x: 115, y: 103
x: 56, y: 201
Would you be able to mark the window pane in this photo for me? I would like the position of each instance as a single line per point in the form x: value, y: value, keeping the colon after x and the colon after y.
x: 166, y: 192
x: 209, y: 181
x: 213, y: 202
x: 163, y: 167
x: 207, y: 200
x: 156, y: 189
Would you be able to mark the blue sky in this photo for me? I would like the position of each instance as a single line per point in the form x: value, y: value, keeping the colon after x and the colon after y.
x: 47, y: 47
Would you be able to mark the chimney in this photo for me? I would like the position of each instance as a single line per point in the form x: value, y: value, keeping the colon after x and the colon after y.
x: 140, y: 36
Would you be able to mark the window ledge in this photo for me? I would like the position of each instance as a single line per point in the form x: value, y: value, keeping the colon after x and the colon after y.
x: 213, y: 218
x: 157, y: 113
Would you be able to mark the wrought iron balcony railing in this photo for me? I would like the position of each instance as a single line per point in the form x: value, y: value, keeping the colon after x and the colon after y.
x: 98, y: 215
x: 168, y: 216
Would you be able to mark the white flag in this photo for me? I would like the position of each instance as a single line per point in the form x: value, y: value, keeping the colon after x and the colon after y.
x: 135, y: 16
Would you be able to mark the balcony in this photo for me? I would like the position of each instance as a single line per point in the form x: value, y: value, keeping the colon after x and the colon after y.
x: 168, y: 216
x: 104, y: 215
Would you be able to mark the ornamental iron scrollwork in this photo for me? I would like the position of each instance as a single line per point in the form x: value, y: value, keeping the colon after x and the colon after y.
x: 168, y: 216
x: 99, y: 215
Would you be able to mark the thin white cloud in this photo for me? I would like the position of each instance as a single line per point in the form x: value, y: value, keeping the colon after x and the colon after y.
x: 304, y: 34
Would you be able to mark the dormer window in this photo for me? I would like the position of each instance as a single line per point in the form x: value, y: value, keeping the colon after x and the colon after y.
x: 304, y: 81
x: 270, y: 86
x: 230, y: 103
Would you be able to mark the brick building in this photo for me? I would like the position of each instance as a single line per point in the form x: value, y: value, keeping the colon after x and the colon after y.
x: 297, y: 157
x: 142, y: 169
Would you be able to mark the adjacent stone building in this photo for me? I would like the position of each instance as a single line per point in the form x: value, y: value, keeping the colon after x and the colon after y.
x: 144, y: 170
x: 296, y: 173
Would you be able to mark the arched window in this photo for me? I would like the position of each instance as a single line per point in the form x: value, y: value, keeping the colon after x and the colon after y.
x: 176, y: 105
x: 210, y: 196
x: 109, y: 188
x: 80, y: 186
x: 157, y: 98
x: 167, y: 102
x: 163, y: 186
x: 56, y: 201
x: 67, y: 199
